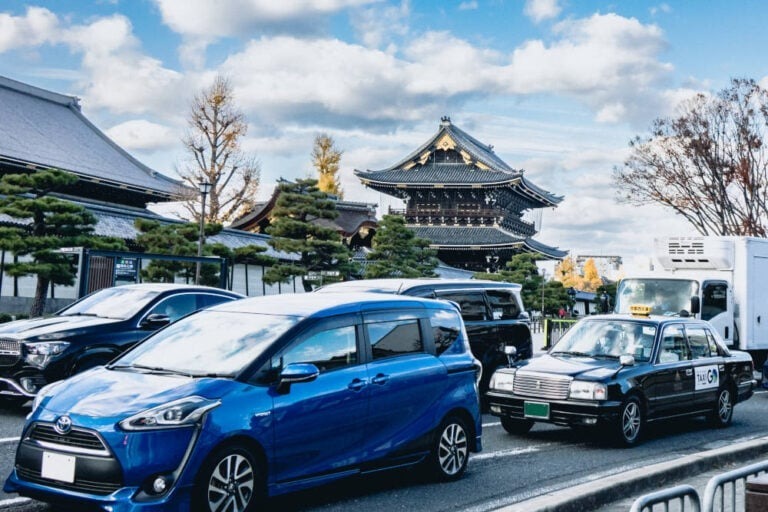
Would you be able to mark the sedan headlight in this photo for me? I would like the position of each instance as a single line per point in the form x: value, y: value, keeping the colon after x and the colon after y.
x: 502, y: 381
x: 39, y: 353
x: 179, y: 413
x: 583, y: 390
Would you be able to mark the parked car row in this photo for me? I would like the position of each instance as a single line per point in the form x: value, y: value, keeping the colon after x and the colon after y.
x: 257, y: 397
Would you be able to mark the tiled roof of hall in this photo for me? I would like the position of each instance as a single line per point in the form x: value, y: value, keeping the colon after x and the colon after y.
x: 474, y: 238
x: 44, y: 129
x: 482, y: 168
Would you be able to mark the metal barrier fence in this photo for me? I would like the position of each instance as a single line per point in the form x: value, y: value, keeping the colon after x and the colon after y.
x: 717, y: 485
x: 714, y: 493
x: 667, y: 496
x: 554, y: 328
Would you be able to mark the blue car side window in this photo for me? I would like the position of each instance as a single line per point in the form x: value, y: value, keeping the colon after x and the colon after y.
x: 328, y: 350
x: 389, y: 339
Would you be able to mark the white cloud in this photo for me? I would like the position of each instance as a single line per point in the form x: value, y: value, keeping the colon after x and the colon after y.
x: 38, y: 26
x: 140, y: 134
x: 468, y: 5
x: 223, y: 18
x: 379, y: 25
x: 540, y: 10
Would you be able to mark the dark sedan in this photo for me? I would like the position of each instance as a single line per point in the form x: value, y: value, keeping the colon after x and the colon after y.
x: 621, y: 372
x: 91, y: 332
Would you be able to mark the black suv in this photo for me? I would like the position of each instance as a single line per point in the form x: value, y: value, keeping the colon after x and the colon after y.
x: 492, y: 311
x: 91, y: 332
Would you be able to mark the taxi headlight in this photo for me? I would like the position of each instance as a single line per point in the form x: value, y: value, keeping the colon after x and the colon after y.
x: 502, y: 381
x: 583, y: 390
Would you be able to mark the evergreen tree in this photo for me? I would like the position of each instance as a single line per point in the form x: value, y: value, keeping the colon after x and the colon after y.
x: 397, y: 252
x: 44, y: 225
x: 178, y: 240
x: 300, y: 226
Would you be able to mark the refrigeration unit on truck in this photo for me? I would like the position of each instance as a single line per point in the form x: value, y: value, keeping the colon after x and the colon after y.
x: 720, y: 279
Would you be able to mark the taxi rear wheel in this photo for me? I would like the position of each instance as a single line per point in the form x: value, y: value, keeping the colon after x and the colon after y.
x: 516, y: 427
x: 229, y: 481
x: 722, y: 412
x: 630, y: 423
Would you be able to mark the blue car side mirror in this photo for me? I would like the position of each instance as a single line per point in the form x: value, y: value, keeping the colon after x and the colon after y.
x: 295, y: 373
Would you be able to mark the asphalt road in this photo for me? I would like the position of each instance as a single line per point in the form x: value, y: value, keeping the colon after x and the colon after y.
x: 509, y: 470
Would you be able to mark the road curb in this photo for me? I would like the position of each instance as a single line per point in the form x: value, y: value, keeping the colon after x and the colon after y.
x: 616, y: 487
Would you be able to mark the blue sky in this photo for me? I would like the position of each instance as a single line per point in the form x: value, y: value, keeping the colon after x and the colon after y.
x: 559, y: 87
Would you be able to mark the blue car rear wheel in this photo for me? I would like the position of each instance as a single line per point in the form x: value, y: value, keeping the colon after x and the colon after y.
x: 450, y: 451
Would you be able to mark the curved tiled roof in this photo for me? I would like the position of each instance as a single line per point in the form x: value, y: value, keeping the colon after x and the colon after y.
x: 47, y: 129
x: 465, y: 237
x: 430, y: 173
x: 485, y: 169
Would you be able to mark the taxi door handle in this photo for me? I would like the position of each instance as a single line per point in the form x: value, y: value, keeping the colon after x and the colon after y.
x: 688, y: 372
x: 356, y: 385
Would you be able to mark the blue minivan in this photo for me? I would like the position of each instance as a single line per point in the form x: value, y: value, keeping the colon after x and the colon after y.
x: 256, y: 398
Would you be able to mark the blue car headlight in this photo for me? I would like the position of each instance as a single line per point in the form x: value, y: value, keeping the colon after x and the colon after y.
x: 179, y: 413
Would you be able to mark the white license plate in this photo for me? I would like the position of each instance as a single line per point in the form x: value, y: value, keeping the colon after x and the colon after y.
x: 58, y: 467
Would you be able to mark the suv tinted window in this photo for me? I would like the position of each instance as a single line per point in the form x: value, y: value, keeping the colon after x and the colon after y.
x: 176, y: 306
x: 446, y: 327
x: 503, y: 304
x: 394, y: 338
x: 472, y: 304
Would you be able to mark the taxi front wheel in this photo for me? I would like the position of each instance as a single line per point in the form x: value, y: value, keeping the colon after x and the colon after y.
x: 630, y: 423
x: 516, y: 427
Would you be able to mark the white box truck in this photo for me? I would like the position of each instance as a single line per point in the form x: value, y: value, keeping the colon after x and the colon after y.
x: 720, y: 279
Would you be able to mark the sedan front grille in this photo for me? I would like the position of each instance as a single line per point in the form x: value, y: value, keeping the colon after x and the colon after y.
x: 10, y: 352
x: 542, y: 385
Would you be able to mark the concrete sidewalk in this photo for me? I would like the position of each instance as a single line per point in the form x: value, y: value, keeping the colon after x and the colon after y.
x: 618, y: 492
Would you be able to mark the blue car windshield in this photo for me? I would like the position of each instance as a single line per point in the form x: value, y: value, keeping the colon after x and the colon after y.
x: 120, y: 303
x: 608, y: 339
x: 214, y: 343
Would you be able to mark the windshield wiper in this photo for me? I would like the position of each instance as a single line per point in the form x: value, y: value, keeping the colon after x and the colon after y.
x: 571, y: 353
x: 605, y: 356
x: 80, y: 313
x: 161, y: 371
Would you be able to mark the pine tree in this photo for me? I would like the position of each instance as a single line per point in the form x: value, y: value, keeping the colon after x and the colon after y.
x: 45, y: 224
x: 300, y: 226
x: 397, y: 252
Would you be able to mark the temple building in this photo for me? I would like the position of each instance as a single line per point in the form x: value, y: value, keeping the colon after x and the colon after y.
x: 356, y: 223
x: 465, y: 200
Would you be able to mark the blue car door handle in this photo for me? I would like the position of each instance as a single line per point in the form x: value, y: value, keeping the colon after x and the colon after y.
x: 380, y: 379
x: 356, y: 385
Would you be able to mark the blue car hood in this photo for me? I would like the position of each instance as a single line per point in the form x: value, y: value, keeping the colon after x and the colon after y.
x: 576, y: 367
x: 108, y: 393
x: 55, y: 324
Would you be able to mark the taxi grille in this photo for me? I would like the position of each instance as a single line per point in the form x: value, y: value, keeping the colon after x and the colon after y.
x: 77, y: 438
x: 541, y: 385
x: 10, y: 352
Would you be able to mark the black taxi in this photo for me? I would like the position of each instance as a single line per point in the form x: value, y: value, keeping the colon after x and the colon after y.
x: 620, y: 372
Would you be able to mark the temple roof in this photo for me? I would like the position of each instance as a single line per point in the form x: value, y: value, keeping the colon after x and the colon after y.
x: 352, y: 216
x: 475, y: 164
x: 485, y: 238
x: 43, y: 129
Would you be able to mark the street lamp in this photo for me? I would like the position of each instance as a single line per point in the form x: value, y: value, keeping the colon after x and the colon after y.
x: 205, y: 187
x: 572, y: 295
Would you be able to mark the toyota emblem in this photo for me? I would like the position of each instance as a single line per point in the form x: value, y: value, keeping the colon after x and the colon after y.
x: 63, y: 425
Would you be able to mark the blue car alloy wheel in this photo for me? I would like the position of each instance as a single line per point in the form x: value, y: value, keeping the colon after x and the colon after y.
x: 230, y: 481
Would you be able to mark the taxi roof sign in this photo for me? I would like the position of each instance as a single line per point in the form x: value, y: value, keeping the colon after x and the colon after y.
x: 640, y: 310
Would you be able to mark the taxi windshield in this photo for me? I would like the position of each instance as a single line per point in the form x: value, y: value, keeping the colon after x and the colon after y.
x: 607, y: 339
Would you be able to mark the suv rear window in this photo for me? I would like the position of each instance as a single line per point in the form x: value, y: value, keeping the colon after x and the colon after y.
x: 503, y: 304
x: 472, y: 304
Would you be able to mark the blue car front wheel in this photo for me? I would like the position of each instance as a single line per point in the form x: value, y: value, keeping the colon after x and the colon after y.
x: 230, y: 481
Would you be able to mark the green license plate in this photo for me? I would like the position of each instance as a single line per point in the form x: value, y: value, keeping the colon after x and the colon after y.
x: 536, y: 410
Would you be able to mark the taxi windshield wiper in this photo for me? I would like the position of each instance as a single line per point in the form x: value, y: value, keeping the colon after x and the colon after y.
x: 571, y: 353
x: 605, y: 356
